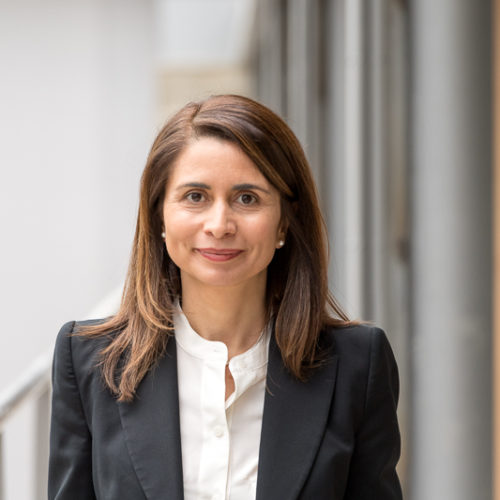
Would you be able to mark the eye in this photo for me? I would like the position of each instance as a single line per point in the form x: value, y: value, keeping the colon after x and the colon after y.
x: 195, y: 197
x: 247, y: 199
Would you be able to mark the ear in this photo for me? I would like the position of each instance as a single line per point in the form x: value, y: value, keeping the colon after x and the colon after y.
x: 282, y: 230
x: 281, y: 238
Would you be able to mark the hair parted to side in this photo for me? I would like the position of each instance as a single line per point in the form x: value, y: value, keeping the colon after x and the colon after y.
x: 297, y: 284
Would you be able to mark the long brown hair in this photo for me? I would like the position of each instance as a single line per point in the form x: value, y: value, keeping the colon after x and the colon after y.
x: 297, y: 287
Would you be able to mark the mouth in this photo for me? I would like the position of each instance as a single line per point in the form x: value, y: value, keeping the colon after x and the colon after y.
x: 219, y: 254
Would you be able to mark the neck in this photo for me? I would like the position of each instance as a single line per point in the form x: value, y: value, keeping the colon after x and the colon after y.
x: 235, y: 316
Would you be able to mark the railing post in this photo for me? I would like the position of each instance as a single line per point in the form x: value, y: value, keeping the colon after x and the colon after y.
x: 42, y: 416
x: 2, y: 485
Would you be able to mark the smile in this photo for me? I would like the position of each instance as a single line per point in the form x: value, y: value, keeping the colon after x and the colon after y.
x: 219, y: 254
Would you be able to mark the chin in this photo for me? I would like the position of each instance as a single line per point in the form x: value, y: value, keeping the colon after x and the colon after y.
x: 220, y: 279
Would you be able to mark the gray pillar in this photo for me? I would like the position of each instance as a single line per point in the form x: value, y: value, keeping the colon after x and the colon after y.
x: 304, y: 106
x: 451, y: 249
x: 271, y: 42
x: 345, y: 152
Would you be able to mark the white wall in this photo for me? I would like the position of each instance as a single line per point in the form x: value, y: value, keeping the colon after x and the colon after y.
x: 75, y: 127
x: 76, y: 123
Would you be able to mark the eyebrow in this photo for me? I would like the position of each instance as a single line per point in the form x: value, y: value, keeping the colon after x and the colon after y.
x: 236, y: 187
x: 193, y: 185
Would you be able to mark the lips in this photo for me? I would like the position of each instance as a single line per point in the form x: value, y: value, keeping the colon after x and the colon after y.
x: 219, y: 254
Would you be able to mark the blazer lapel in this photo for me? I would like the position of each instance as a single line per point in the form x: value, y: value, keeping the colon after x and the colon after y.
x: 295, y: 416
x: 152, y: 430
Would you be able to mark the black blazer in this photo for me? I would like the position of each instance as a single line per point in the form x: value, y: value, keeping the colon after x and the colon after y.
x: 333, y: 437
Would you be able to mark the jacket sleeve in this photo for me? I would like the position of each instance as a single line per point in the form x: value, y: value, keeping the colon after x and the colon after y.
x: 70, y: 461
x: 372, y: 472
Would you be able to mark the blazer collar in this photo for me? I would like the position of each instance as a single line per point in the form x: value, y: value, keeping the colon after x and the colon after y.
x: 152, y: 430
x: 293, y: 423
x: 294, y: 420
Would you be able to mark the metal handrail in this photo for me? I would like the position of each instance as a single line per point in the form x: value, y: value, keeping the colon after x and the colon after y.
x: 27, y: 386
x: 34, y: 385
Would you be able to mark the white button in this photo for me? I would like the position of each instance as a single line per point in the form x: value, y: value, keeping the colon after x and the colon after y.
x: 219, y: 432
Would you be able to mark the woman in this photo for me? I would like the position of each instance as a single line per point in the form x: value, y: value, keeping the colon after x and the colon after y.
x: 229, y: 371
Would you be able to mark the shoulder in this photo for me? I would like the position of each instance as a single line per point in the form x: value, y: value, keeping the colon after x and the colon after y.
x: 359, y: 336
x: 361, y: 345
x: 75, y: 350
x: 71, y: 334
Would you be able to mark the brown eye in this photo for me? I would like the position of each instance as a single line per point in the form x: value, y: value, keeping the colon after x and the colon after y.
x: 247, y: 199
x: 195, y: 197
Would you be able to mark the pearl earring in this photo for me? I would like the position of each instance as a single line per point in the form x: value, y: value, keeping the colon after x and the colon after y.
x: 163, y: 234
x: 281, y: 243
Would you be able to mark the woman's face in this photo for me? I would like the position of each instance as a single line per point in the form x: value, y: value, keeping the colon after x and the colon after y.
x: 221, y: 216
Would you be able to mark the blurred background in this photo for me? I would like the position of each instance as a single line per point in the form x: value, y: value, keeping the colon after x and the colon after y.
x: 393, y: 101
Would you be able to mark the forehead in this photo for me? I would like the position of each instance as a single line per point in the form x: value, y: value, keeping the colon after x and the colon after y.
x: 214, y: 158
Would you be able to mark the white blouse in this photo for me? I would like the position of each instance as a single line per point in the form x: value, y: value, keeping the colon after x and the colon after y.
x: 219, y: 439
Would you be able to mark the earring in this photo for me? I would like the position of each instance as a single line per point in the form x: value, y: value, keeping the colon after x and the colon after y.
x: 163, y: 234
x: 281, y: 243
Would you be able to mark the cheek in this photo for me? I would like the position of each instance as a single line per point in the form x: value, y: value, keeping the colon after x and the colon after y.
x: 177, y: 242
x: 266, y: 228
x: 176, y: 234
x: 178, y: 228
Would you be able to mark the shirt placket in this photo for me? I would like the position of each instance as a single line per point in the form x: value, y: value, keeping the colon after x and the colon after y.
x: 214, y: 463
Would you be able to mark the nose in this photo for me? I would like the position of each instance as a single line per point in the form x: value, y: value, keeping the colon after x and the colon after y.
x: 219, y: 221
